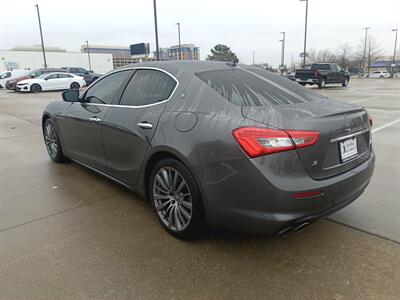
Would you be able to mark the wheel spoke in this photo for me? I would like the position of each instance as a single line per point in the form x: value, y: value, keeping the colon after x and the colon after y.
x: 163, y: 205
x: 181, y: 185
x: 183, y: 212
x: 165, y: 178
x: 177, y: 220
x: 161, y: 197
x: 186, y: 204
x: 161, y: 182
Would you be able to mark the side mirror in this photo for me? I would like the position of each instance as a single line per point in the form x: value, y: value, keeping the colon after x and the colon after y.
x: 70, y: 96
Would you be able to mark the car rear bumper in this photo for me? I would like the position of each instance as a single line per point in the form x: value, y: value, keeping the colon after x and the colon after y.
x: 309, y: 80
x: 272, y: 208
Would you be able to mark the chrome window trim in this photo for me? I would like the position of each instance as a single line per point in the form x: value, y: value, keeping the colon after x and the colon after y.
x: 349, y: 135
x: 131, y: 106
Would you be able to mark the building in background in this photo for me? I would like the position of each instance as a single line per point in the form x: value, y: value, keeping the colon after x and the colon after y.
x: 121, y: 55
x: 37, y: 48
x: 33, y: 59
x: 385, y: 65
x: 188, y: 52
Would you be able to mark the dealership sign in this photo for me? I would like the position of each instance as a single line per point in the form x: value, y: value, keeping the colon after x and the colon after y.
x: 12, y: 65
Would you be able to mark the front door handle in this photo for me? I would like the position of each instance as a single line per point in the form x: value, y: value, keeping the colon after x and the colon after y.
x: 145, y: 125
x: 95, y: 120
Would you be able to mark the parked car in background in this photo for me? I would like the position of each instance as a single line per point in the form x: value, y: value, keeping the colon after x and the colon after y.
x: 12, y: 84
x: 50, y: 82
x: 323, y: 74
x: 236, y: 146
x: 291, y: 76
x: 379, y: 74
x: 10, y: 75
x: 89, y: 76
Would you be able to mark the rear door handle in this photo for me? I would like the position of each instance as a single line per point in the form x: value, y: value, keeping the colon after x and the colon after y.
x: 145, y: 125
x: 94, y: 119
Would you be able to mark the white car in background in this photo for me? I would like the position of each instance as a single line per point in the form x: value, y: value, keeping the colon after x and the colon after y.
x: 9, y: 75
x: 379, y: 74
x: 50, y: 82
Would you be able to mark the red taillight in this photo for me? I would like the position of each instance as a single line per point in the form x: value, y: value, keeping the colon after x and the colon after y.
x: 370, y: 120
x: 256, y: 141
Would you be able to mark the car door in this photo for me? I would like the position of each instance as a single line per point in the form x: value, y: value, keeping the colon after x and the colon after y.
x: 64, y: 81
x: 129, y: 126
x: 338, y: 74
x: 50, y: 82
x: 81, y: 123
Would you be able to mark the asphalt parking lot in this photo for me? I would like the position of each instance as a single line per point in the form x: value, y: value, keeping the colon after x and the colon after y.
x: 68, y: 233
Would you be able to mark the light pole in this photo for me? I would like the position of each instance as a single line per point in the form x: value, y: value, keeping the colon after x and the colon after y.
x: 283, y: 49
x: 179, y: 40
x: 156, y: 29
x: 394, y: 51
x: 365, y: 47
x: 253, y: 58
x: 41, y: 36
x: 88, y: 55
x: 305, y: 36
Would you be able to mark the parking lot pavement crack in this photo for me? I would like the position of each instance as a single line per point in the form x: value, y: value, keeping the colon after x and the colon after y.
x: 58, y: 213
x: 363, y: 230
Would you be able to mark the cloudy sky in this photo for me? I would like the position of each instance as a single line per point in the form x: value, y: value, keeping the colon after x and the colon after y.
x: 244, y: 25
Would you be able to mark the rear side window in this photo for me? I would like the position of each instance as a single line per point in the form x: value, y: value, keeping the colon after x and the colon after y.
x: 148, y: 87
x: 255, y: 87
x: 104, y: 90
x: 64, y: 76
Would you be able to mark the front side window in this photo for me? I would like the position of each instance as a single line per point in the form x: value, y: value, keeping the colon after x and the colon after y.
x: 148, y: 87
x: 104, y: 90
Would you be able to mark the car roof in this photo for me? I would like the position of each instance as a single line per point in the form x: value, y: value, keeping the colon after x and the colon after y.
x: 177, y: 68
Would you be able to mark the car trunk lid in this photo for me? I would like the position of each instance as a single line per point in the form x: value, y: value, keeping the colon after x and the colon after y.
x: 339, y: 125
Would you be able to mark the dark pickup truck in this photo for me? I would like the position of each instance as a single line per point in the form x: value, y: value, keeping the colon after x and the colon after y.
x: 323, y: 74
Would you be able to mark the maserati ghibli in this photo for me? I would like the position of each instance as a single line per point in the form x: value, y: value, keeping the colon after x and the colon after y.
x: 216, y: 143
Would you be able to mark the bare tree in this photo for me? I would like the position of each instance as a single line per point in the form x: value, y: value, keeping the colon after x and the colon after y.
x: 344, y: 55
x: 321, y: 56
x: 374, y: 52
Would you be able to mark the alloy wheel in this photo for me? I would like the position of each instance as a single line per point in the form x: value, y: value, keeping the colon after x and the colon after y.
x: 50, y: 137
x: 172, y: 199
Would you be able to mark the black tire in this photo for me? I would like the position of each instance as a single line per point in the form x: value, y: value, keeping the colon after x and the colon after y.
x: 75, y: 86
x: 346, y: 82
x: 52, y: 142
x: 196, y: 222
x: 322, y: 83
x: 303, y: 83
x: 381, y: 77
x: 36, y: 88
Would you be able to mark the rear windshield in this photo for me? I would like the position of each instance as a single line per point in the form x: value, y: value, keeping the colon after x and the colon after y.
x: 255, y: 87
x: 320, y: 67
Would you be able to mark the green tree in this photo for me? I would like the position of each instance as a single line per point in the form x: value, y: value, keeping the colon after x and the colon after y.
x: 221, y: 52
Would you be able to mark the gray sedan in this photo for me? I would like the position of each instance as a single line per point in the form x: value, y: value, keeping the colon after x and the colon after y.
x: 228, y: 145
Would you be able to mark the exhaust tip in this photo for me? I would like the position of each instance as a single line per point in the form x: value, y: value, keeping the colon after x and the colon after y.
x: 301, y: 227
x: 285, y: 231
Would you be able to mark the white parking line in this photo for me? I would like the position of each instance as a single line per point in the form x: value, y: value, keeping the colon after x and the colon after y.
x: 365, y: 99
x: 386, y: 125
